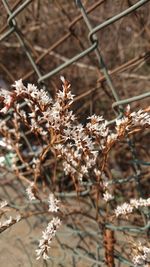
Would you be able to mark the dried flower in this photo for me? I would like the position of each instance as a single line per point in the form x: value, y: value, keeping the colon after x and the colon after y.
x: 126, y: 208
x: 140, y: 118
x: 48, y: 234
x: 31, y: 192
x: 5, y: 144
x: 141, y: 255
x: 9, y: 222
x: 107, y: 196
x: 3, y: 204
x: 77, y: 145
x: 53, y: 203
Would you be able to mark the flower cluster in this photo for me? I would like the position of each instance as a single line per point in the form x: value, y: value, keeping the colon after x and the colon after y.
x: 140, y: 117
x: 53, y: 203
x: 142, y: 256
x: 31, y: 191
x: 108, y: 196
x: 59, y: 140
x: 127, y: 208
x: 47, y: 236
x: 49, y: 233
x: 3, y: 204
x: 76, y: 144
x: 9, y: 222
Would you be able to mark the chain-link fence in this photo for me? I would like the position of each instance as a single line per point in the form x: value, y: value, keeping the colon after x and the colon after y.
x: 83, y: 49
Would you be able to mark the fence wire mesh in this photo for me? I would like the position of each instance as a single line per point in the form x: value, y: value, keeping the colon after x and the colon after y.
x: 83, y: 52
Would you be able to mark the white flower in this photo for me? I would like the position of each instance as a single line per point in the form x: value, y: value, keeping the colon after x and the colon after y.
x: 53, y: 203
x: 140, y: 117
x: 97, y: 172
x: 62, y: 79
x: 59, y: 147
x: 127, y: 108
x: 29, y: 192
x: 19, y: 87
x: 124, y: 209
x: 32, y: 114
x: 48, y: 234
x: 2, y: 161
x: 84, y: 169
x: 142, y: 256
x: 3, y: 204
x: 121, y: 121
x: 107, y: 196
x: 111, y: 137
x: 18, y: 218
x: 8, y: 100
x: 140, y: 202
x: 7, y: 222
x: 34, y: 124
x: 95, y: 119
x: 4, y: 110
